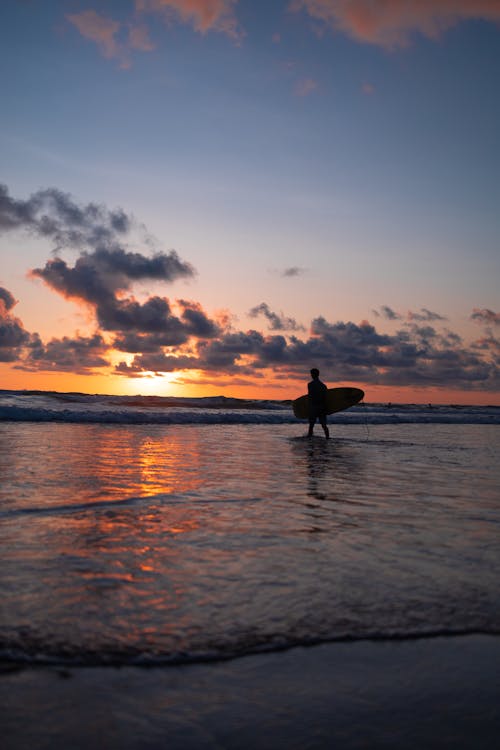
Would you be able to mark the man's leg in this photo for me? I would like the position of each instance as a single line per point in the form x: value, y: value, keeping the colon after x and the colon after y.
x: 325, y: 426
x: 311, y: 426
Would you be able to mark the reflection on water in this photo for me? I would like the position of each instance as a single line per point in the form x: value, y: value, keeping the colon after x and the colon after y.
x: 198, y: 538
x: 58, y: 464
x: 331, y: 466
x: 331, y: 473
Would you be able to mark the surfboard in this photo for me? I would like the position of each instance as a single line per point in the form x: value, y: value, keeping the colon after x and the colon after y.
x: 337, y: 399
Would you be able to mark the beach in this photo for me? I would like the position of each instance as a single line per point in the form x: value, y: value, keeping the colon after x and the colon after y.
x: 211, y: 578
x: 432, y: 693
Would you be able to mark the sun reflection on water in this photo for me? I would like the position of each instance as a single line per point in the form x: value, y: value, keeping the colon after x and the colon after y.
x: 168, y: 540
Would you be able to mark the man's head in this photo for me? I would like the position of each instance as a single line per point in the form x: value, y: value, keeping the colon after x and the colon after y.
x: 315, y: 373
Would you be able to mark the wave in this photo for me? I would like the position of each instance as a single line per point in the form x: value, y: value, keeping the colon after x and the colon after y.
x: 109, y: 505
x: 40, y: 406
x: 12, y: 652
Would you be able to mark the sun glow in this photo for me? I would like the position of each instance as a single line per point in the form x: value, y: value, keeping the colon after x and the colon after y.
x: 152, y: 384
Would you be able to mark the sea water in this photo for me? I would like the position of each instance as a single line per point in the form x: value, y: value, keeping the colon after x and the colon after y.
x: 149, y: 531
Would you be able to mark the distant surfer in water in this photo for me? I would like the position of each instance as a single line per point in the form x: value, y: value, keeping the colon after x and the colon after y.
x: 316, y: 391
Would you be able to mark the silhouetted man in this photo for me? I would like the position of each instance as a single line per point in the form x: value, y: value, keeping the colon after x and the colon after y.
x: 317, y: 402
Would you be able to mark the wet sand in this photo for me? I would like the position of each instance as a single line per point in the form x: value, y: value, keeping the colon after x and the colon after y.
x: 426, y: 693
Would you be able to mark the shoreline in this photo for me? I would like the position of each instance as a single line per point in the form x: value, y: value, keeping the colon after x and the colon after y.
x: 441, y: 692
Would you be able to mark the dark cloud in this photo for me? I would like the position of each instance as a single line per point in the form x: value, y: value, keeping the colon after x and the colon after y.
x: 387, y: 312
x: 164, y: 340
x: 80, y: 355
x: 7, y: 299
x: 450, y: 339
x: 196, y: 322
x: 96, y: 277
x: 13, y: 335
x: 151, y: 317
x: 355, y: 347
x: 222, y: 354
x: 292, y: 272
x: 485, y: 315
x: 277, y: 322
x: 101, y: 277
x: 54, y: 215
x: 150, y: 326
x: 147, y: 343
x: 417, y: 354
x: 425, y: 315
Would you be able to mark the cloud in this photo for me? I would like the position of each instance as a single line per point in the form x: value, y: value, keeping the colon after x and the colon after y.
x: 102, y: 277
x: 163, y: 340
x: 98, y: 29
x: 99, y: 279
x: 13, y: 335
x: 196, y: 321
x: 305, y: 86
x: 165, y: 336
x: 104, y: 271
x: 156, y: 362
x: 277, y: 322
x: 96, y: 277
x: 7, y: 301
x: 485, y: 316
x: 292, y: 272
x: 80, y: 355
x: 137, y: 342
x: 386, y: 312
x: 228, y: 353
x: 391, y: 23
x: 203, y: 15
x: 151, y: 317
x: 424, y: 315
x: 104, y: 32
x: 150, y: 326
x: 139, y: 38
x: 418, y: 355
x: 117, y: 40
x: 53, y: 215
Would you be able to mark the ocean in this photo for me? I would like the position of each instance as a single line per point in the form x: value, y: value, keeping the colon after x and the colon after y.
x: 167, y: 531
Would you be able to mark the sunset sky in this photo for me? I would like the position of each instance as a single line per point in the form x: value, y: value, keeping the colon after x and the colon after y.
x: 203, y: 197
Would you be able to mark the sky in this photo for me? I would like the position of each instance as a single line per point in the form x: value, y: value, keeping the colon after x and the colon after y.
x: 203, y: 197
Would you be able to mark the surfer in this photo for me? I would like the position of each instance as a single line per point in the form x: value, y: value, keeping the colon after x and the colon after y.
x: 317, y: 391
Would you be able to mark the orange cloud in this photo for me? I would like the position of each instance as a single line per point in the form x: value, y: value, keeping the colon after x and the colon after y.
x: 205, y: 15
x: 139, y: 38
x: 98, y: 29
x: 103, y: 31
x: 389, y: 23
